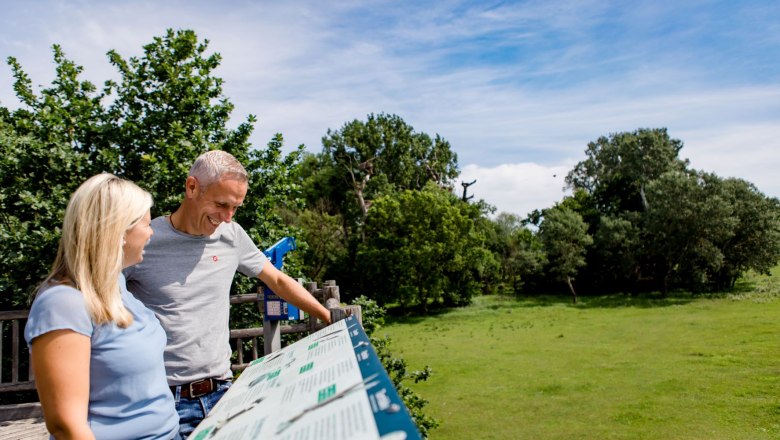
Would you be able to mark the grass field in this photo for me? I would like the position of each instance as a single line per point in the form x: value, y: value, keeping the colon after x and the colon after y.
x: 613, y: 367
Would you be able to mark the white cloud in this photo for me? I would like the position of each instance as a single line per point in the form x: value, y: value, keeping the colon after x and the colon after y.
x: 307, y: 67
x: 517, y: 188
x: 743, y: 150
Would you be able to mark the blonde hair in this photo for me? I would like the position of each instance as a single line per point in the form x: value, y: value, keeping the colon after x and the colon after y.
x: 213, y: 165
x: 90, y: 253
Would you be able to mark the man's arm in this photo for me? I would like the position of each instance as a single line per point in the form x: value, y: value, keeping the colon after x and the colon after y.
x: 292, y: 292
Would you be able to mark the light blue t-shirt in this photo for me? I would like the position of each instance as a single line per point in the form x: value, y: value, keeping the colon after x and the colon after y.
x: 128, y: 394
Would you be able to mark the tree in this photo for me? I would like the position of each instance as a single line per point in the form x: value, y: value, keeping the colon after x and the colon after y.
x: 619, y: 168
x: 755, y: 243
x: 655, y: 221
x: 416, y: 241
x: 518, y: 251
x: 324, y: 237
x: 565, y: 239
x: 615, y: 259
x: 36, y: 180
x: 69, y: 114
x: 359, y: 163
x: 687, y: 219
x: 387, y: 147
x: 47, y: 148
x: 168, y: 110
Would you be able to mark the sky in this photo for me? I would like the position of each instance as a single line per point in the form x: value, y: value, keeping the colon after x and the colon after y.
x: 518, y: 88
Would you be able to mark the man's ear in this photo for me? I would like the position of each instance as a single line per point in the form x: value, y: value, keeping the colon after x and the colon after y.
x: 191, y: 187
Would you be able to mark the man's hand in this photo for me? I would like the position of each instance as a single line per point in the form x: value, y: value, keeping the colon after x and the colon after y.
x: 292, y: 292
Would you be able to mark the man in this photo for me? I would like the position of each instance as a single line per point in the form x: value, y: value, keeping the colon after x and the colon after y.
x: 185, y: 279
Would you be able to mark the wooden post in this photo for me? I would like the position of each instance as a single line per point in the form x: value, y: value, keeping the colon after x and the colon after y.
x: 240, y: 350
x: 312, y: 288
x: 15, y: 351
x: 272, y: 336
x: 339, y: 313
x: 332, y: 295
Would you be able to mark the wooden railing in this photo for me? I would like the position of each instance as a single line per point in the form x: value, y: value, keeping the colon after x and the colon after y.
x: 16, y: 374
x: 271, y: 331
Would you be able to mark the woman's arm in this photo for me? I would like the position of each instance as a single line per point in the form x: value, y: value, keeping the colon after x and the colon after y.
x: 60, y: 361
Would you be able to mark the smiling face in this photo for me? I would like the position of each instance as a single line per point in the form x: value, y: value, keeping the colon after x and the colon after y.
x: 212, y: 205
x: 136, y: 239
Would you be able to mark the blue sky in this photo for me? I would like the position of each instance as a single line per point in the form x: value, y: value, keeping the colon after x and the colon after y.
x: 518, y: 88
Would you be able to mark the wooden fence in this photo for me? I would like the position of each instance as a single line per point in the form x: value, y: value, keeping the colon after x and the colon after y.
x: 15, y: 371
x: 246, y: 340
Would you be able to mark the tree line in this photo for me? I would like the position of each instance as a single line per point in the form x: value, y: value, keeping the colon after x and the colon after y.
x: 374, y: 209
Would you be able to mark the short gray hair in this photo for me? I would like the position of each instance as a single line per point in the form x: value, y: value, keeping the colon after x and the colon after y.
x: 212, y: 166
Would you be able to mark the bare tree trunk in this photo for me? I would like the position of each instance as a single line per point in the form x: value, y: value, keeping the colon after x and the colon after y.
x: 361, y: 200
x: 360, y: 185
x: 571, y: 289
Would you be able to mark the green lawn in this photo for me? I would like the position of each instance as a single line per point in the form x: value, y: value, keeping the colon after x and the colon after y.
x: 608, y: 368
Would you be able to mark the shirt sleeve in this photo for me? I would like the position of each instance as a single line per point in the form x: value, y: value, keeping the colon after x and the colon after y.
x: 58, y: 308
x: 251, y: 260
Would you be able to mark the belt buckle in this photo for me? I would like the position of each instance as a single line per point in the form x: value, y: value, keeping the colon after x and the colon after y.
x: 193, y: 394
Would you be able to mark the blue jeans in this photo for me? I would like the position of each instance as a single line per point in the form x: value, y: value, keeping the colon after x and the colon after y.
x: 193, y: 411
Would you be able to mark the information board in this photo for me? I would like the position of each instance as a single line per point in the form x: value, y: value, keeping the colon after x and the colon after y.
x: 330, y: 385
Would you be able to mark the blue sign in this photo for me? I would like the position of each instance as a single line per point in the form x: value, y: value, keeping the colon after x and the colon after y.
x: 274, y: 307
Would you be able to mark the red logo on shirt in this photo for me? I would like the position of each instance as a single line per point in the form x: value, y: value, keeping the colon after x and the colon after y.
x: 215, y: 258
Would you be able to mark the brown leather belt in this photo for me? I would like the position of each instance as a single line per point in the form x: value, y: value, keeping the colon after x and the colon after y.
x: 198, y: 388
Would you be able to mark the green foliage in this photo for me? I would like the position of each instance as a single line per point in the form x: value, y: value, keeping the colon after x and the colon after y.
x: 373, y: 315
x: 69, y: 114
x: 755, y: 243
x: 686, y: 220
x: 324, y: 238
x: 167, y: 108
x: 385, y: 146
x: 272, y: 186
x: 518, y: 251
x: 35, y: 183
x: 47, y: 148
x: 618, y: 249
x: 360, y: 163
x: 659, y: 225
x: 565, y: 239
x: 618, y: 168
x: 419, y: 245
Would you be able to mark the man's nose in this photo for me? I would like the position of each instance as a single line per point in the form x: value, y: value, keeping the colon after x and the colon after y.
x: 227, y: 215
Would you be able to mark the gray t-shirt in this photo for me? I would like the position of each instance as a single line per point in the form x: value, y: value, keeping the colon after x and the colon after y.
x: 185, y: 280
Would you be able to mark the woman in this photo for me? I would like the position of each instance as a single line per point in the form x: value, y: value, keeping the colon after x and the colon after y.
x: 96, y: 351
